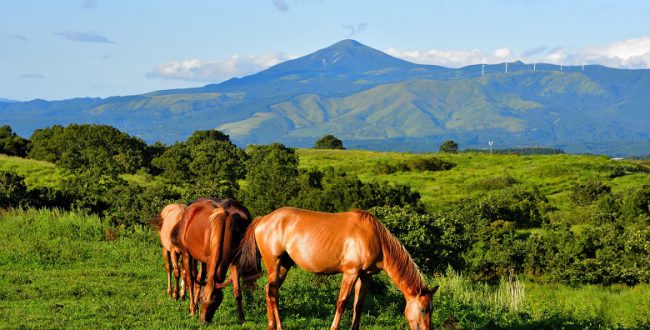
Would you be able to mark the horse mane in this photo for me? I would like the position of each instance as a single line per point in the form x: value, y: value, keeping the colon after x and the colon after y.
x: 396, y: 258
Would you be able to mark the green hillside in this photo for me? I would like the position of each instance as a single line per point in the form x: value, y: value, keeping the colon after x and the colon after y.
x: 374, y: 101
x: 476, y: 174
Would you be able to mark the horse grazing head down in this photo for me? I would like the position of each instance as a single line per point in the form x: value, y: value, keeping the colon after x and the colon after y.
x: 418, y: 309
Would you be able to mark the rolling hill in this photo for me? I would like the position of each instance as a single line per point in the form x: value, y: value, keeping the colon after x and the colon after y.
x: 374, y: 101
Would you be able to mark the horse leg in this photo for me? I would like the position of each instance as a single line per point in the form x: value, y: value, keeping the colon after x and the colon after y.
x: 276, y: 273
x: 236, y: 291
x: 360, y: 289
x: 346, y: 288
x: 177, y: 273
x: 200, y: 278
x: 168, y: 269
x: 182, y: 277
x: 189, y: 280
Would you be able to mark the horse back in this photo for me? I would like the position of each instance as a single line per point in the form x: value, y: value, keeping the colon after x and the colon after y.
x: 320, y: 242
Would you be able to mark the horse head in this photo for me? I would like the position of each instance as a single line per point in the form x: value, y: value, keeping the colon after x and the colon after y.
x: 418, y: 309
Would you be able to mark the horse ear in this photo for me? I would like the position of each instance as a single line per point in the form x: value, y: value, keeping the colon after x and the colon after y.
x: 433, y: 290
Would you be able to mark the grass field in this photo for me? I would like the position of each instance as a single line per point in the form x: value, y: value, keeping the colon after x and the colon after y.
x: 66, y: 270
x: 475, y: 173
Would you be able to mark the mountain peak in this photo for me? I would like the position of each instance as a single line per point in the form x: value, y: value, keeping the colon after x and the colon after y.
x: 345, y: 56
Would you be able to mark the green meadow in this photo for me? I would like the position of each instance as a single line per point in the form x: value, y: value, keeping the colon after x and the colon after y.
x: 69, y: 270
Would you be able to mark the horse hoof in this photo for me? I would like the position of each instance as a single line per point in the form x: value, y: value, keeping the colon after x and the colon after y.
x: 175, y: 295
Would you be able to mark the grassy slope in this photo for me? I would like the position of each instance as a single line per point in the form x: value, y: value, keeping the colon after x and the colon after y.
x: 36, y: 173
x: 553, y: 174
x: 59, y: 270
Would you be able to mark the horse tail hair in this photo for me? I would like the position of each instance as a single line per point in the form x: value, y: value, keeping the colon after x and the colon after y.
x: 156, y: 221
x: 249, y: 259
x: 217, y: 232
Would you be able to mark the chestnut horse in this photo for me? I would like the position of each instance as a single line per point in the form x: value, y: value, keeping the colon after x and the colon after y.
x: 353, y: 243
x: 165, y: 222
x: 210, y: 233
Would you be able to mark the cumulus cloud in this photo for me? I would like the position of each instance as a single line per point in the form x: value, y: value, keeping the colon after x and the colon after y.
x: 355, y: 28
x: 451, y: 58
x: 281, y: 5
x: 216, y: 70
x: 631, y: 54
x: 89, y: 4
x: 32, y: 76
x: 83, y: 37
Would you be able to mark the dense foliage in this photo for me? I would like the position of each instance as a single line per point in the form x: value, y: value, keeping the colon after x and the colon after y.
x: 11, y: 144
x: 80, y: 147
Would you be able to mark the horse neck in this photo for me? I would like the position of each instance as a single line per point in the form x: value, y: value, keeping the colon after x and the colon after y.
x: 400, y: 267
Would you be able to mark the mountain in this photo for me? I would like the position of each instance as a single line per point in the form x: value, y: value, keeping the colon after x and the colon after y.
x: 2, y: 99
x: 372, y: 100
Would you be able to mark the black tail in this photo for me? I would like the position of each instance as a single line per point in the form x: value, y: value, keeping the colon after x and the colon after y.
x: 248, y: 256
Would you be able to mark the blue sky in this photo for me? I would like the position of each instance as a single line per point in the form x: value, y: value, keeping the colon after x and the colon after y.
x: 98, y: 48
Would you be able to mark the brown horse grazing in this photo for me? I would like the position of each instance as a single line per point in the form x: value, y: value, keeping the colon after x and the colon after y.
x: 353, y: 243
x: 210, y: 233
x: 165, y: 222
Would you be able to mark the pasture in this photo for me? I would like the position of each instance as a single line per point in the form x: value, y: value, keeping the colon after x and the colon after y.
x: 68, y: 270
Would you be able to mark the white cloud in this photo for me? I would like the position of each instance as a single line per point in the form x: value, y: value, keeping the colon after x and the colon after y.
x: 631, y: 53
x: 451, y: 58
x: 502, y: 53
x: 216, y: 70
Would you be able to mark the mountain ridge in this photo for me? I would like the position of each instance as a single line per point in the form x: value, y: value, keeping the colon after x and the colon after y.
x: 363, y: 95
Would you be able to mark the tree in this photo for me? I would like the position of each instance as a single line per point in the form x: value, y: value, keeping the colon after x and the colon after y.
x: 81, y: 147
x: 329, y: 142
x: 12, y: 144
x: 207, y: 157
x: 272, y: 178
x: 449, y: 146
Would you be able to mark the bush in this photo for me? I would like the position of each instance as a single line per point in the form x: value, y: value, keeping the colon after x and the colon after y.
x: 13, y: 192
x: 588, y: 192
x: 332, y: 191
x: 329, y: 142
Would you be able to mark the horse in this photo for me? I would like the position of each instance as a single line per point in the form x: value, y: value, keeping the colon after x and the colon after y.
x: 210, y: 232
x: 164, y: 223
x: 353, y: 243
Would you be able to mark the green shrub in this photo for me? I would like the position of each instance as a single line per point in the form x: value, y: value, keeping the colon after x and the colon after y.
x: 588, y: 192
x: 13, y: 192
